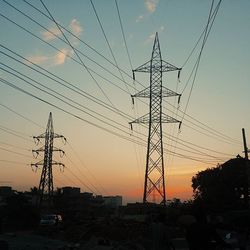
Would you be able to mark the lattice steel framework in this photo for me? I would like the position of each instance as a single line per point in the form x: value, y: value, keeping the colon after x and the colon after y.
x: 154, y: 174
x: 46, y: 188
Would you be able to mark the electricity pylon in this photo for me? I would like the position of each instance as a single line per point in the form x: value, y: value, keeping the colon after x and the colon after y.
x: 154, y: 175
x: 45, y: 190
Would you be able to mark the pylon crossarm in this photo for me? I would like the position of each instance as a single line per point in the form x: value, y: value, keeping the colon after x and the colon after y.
x: 40, y: 163
x: 167, y: 92
x: 57, y: 163
x: 144, y: 67
x: 168, y: 67
x: 38, y: 150
x: 164, y: 119
x: 35, y: 153
x: 168, y: 119
x: 143, y: 119
x: 57, y: 136
x: 39, y: 136
x: 62, y: 152
x: 144, y: 93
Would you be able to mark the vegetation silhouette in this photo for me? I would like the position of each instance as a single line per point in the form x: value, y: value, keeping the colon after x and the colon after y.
x: 222, y: 188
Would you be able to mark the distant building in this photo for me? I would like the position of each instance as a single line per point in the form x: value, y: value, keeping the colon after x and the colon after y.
x: 71, y: 191
x: 86, y: 196
x: 6, y: 191
x: 113, y: 201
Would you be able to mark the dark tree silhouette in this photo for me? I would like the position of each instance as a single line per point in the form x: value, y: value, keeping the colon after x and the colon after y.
x: 34, y: 190
x: 222, y: 187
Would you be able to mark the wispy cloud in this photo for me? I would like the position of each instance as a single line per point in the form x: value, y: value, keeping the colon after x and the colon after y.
x: 139, y: 18
x: 130, y: 36
x: 76, y: 27
x: 48, y: 35
x: 161, y: 28
x: 150, y: 38
x: 152, y: 35
x: 151, y: 5
x: 38, y: 59
x: 52, y: 32
x: 60, y: 57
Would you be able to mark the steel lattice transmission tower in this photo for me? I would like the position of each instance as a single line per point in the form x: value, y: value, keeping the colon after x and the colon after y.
x: 154, y: 175
x: 45, y: 190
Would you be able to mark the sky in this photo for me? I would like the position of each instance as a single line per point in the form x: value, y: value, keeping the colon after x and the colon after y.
x: 90, y: 99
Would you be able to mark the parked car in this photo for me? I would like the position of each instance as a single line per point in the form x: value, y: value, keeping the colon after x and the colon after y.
x: 50, y: 220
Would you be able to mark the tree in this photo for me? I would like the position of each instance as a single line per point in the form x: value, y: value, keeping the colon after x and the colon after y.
x: 221, y: 187
x: 34, y: 190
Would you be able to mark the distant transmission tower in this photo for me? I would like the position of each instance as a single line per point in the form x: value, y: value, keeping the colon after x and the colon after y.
x: 154, y: 174
x: 45, y: 191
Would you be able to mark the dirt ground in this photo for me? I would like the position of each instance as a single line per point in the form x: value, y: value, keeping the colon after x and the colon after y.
x: 30, y: 241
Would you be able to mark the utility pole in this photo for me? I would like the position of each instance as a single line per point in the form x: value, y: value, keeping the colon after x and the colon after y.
x: 45, y: 190
x: 154, y: 183
x: 246, y: 151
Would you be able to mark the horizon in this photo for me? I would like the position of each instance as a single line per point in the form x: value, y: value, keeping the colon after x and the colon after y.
x: 102, y: 154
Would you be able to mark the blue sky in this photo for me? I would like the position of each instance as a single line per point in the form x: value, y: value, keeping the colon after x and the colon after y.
x: 111, y: 164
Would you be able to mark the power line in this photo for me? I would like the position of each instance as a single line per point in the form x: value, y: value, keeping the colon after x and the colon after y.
x: 77, y: 50
x: 60, y: 95
x: 123, y: 35
x: 79, y: 170
x: 84, y: 94
x: 36, y: 81
x: 63, y: 82
x: 14, y: 131
x: 14, y: 152
x: 196, y: 44
x: 60, y: 98
x: 108, y: 44
x: 84, y: 165
x: 207, y: 31
x: 89, y: 109
x: 67, y: 102
x: 213, y: 15
x: 14, y: 146
x: 79, y: 39
x: 25, y: 118
x: 131, y: 67
x: 65, y: 111
x: 84, y: 184
x: 69, y: 43
x: 196, y: 66
x: 73, y: 105
x: 170, y: 138
x: 73, y: 174
x: 91, y: 123
x: 56, y: 92
x: 100, y: 66
x: 14, y: 162
x: 9, y: 132
x: 66, y: 54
